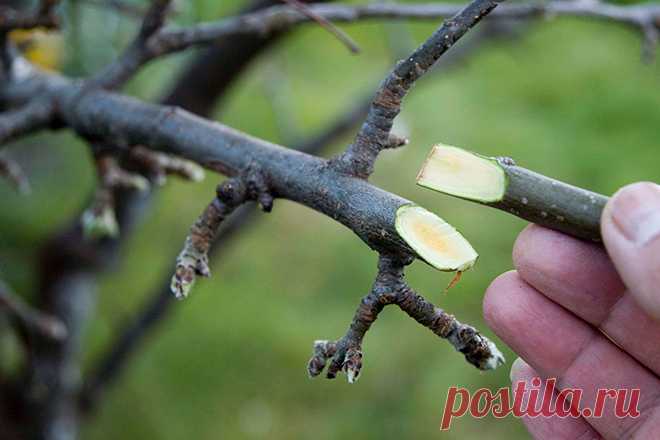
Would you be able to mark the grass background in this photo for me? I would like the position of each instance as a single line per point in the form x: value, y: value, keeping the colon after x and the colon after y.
x: 566, y: 97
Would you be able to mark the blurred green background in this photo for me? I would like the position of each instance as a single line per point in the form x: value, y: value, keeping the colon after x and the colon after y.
x: 566, y: 97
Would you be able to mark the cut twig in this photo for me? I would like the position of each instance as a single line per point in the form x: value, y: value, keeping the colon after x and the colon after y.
x: 499, y: 183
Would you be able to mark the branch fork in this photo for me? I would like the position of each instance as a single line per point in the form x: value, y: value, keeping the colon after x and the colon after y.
x: 390, y: 287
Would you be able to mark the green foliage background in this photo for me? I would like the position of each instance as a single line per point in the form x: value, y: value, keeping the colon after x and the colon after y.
x: 566, y: 97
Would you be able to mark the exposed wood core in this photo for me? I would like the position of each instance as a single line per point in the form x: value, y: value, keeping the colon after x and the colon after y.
x: 435, y: 240
x: 500, y: 183
x: 461, y: 173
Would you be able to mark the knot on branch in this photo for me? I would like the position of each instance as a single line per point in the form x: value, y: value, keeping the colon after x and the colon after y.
x: 345, y: 354
x: 193, y: 259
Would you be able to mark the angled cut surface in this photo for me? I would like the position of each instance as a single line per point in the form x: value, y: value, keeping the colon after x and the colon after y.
x: 464, y: 174
x: 435, y: 240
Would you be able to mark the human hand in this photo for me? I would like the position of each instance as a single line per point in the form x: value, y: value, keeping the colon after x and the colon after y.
x: 588, y: 316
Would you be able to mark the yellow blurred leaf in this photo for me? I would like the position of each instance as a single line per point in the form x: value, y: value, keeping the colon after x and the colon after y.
x: 40, y: 47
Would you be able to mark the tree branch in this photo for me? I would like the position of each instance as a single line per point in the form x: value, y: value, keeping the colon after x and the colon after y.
x: 120, y: 71
x: 358, y: 160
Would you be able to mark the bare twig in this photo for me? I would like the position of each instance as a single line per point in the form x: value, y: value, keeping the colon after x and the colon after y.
x: 193, y: 259
x: 157, y: 166
x: 345, y: 354
x: 35, y: 115
x: 342, y: 36
x: 358, y: 160
x: 645, y: 17
x: 30, y: 320
x: 99, y: 220
x: 12, y: 171
x: 117, y: 73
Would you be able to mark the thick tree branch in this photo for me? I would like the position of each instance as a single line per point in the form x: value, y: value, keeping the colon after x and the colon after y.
x: 390, y: 287
x: 30, y: 320
x: 98, y: 114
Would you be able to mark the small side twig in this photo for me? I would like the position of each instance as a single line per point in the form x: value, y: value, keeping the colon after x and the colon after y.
x: 159, y: 165
x: 137, y: 53
x: 33, y: 116
x: 390, y: 287
x: 12, y: 171
x: 342, y: 36
x: 99, y: 220
x: 193, y: 259
x: 30, y: 320
x: 358, y: 160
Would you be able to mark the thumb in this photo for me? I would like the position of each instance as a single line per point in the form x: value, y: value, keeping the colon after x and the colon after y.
x: 631, y: 232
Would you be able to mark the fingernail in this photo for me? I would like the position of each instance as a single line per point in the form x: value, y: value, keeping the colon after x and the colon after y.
x: 635, y: 212
x: 516, y: 369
